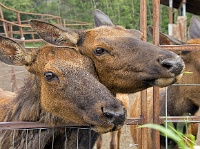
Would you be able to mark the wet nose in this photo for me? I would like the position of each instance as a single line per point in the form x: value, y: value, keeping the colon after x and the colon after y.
x: 173, y: 65
x: 116, y: 117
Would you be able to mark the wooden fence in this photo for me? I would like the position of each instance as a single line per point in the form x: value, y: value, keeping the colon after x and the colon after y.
x: 20, y: 30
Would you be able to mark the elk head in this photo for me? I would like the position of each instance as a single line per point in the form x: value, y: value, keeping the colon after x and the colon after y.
x: 124, y: 63
x: 67, y: 85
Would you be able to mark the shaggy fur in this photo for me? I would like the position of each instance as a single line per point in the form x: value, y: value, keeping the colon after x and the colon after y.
x: 113, y: 54
x: 72, y: 95
x: 123, y: 62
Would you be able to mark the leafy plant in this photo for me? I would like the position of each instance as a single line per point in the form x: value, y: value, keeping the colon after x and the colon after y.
x: 184, y: 141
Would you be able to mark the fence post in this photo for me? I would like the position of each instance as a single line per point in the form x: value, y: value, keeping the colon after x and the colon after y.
x: 20, y: 27
x: 156, y: 100
x: 143, y: 133
x: 4, y: 23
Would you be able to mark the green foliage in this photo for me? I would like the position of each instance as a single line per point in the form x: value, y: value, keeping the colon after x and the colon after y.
x: 164, y: 19
x: 122, y: 12
x: 184, y: 141
x: 22, y: 5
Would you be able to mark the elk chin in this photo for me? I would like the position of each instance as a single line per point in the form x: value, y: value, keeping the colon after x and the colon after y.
x: 163, y: 82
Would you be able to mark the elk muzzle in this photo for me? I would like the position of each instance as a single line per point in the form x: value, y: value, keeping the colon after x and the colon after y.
x: 116, y: 118
x: 174, y: 66
x: 112, y: 117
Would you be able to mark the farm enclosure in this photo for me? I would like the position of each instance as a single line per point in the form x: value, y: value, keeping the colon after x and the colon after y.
x: 167, y: 47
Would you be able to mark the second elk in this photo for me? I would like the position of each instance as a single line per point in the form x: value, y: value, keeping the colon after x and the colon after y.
x: 183, y: 99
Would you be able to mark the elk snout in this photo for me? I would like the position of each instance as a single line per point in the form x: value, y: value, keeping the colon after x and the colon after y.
x: 174, y: 66
x: 116, y: 117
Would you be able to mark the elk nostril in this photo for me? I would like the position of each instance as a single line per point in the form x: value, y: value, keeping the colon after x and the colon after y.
x: 173, y: 66
x: 117, y: 118
x: 167, y: 65
x: 107, y: 114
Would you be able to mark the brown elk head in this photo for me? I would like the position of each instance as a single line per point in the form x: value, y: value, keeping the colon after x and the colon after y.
x: 67, y: 84
x: 124, y: 63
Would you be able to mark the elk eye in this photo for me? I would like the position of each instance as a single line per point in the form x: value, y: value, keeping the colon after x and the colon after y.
x: 50, y: 76
x: 99, y: 51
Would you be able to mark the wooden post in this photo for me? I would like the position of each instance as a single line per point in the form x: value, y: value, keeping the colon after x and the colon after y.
x: 156, y: 100
x: 171, y: 18
x: 19, y: 22
x: 4, y: 24
x: 143, y: 133
x: 171, y: 12
x: 20, y: 28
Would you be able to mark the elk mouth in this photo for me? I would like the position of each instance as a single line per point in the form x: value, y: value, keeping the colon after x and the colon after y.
x: 163, y: 82
x: 111, y: 118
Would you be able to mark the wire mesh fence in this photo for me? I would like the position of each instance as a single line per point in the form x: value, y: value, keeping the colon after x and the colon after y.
x: 35, y: 135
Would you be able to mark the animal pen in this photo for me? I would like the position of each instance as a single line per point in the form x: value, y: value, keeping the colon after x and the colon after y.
x: 143, y: 119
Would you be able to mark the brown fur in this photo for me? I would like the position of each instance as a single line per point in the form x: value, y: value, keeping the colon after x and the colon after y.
x: 120, y: 65
x: 72, y: 96
x: 182, y: 100
x: 109, y: 70
x: 125, y: 64
x: 188, y: 95
x: 6, y: 95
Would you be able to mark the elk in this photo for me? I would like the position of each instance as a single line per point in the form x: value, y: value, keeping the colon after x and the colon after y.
x: 63, y: 88
x: 187, y: 96
x: 116, y: 54
x: 124, y: 63
x: 182, y: 100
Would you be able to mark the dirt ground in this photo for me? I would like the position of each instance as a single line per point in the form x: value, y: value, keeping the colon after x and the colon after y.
x: 126, y: 141
x: 6, y: 83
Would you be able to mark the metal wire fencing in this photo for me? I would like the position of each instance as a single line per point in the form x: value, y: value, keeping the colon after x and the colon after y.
x: 33, y: 135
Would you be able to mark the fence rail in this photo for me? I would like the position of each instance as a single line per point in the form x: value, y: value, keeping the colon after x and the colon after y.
x: 21, y: 31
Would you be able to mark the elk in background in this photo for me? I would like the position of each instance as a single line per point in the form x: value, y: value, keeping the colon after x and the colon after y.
x: 182, y: 100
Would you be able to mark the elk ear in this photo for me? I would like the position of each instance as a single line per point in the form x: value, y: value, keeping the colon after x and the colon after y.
x: 194, y: 28
x: 54, y: 34
x: 137, y: 34
x: 169, y: 40
x: 165, y: 39
x: 101, y: 18
x: 14, y: 54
